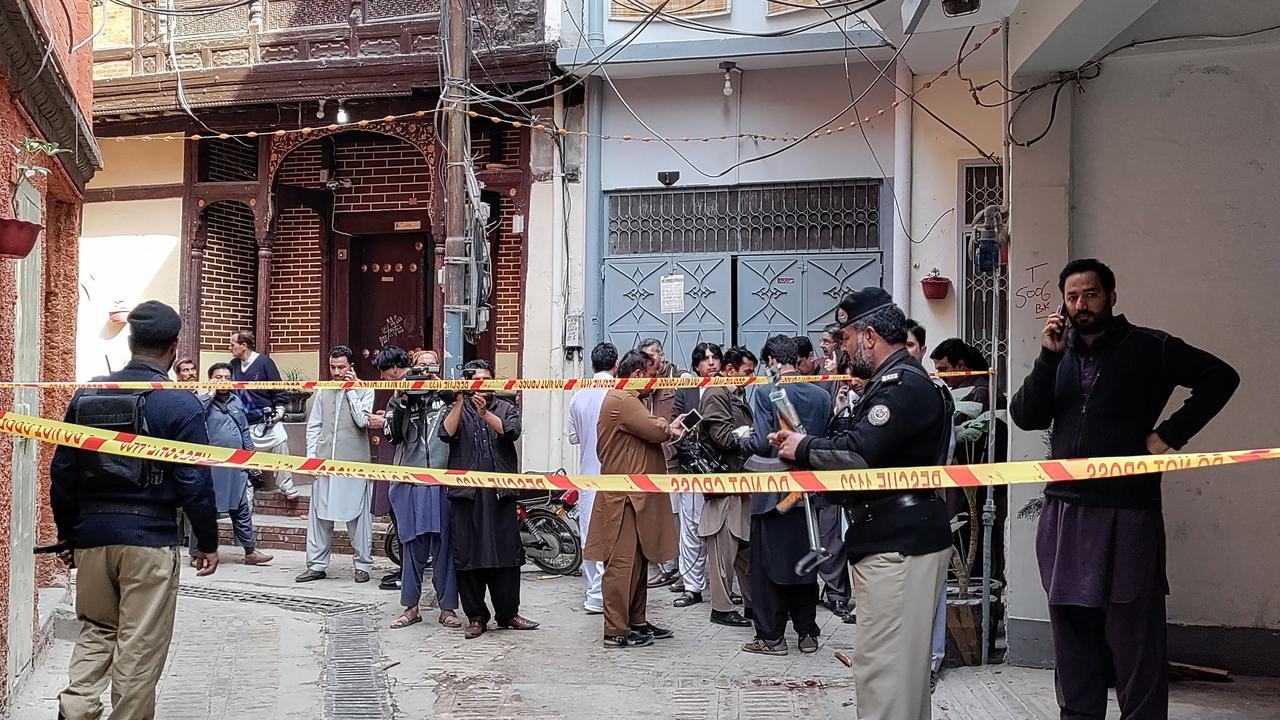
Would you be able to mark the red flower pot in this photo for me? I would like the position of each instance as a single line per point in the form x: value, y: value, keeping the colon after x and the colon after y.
x: 17, y: 237
x: 935, y: 288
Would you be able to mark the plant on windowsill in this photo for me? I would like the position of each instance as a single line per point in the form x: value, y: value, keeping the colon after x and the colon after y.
x: 18, y: 237
x: 935, y: 285
x: 295, y: 408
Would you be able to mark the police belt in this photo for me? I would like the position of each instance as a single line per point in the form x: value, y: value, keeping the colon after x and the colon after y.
x: 115, y: 507
x: 868, y: 511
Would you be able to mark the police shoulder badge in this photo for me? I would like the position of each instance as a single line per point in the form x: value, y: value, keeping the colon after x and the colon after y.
x: 879, y: 415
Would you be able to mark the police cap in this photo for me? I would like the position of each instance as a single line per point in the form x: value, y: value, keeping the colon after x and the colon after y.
x: 154, y: 324
x: 861, y: 303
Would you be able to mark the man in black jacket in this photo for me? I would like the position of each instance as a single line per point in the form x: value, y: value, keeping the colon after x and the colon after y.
x: 1102, y: 384
x: 898, y: 540
x: 121, y: 519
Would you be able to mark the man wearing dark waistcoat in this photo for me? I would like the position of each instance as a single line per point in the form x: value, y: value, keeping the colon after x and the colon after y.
x: 898, y: 541
x: 1102, y: 384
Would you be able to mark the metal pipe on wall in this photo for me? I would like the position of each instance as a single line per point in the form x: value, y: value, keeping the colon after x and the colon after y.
x: 902, y: 189
x: 593, y: 191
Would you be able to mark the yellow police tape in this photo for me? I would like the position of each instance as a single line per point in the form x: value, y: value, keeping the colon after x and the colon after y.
x: 495, y: 385
x: 915, y: 478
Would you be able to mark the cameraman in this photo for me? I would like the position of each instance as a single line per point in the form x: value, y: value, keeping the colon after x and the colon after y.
x: 725, y: 524
x: 412, y: 423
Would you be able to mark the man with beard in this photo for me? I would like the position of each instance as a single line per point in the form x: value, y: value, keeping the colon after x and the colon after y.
x: 481, y: 431
x: 631, y: 529
x: 660, y: 403
x: 898, y: 540
x: 1102, y: 383
x: 584, y: 416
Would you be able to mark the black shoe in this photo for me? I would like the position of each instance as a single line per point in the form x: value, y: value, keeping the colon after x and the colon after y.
x: 838, y: 607
x: 652, y: 631
x: 808, y: 644
x: 310, y: 575
x: 687, y: 599
x: 748, y: 614
x: 661, y: 579
x: 731, y: 618
x: 851, y: 617
x: 632, y: 639
x: 390, y: 582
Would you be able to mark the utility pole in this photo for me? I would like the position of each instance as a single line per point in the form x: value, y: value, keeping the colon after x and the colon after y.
x: 457, y: 256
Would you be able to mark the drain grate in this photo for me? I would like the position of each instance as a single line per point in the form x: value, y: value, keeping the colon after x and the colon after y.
x: 296, y: 603
x: 354, y: 687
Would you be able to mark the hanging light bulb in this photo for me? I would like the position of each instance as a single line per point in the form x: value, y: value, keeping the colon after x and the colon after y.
x: 342, y: 113
x: 728, y: 67
x: 320, y: 109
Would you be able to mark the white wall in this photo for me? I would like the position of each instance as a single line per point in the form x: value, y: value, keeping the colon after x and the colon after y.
x: 1177, y: 186
x: 743, y: 16
x: 782, y: 101
x: 129, y: 252
x: 936, y: 215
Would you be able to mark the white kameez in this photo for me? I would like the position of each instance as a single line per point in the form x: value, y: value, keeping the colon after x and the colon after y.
x: 336, y: 431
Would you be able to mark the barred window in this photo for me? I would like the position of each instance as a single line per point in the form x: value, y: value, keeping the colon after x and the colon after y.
x: 638, y: 9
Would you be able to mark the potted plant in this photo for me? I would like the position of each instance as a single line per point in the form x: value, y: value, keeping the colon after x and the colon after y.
x: 935, y: 285
x: 964, y: 592
x: 17, y: 237
x: 295, y: 408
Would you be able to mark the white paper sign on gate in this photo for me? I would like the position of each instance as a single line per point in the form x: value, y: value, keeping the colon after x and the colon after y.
x: 673, y: 294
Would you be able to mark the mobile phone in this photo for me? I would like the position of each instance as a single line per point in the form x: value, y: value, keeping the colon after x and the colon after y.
x: 1066, y: 320
x: 692, y: 418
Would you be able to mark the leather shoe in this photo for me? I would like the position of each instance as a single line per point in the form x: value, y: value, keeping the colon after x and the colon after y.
x: 851, y: 617
x: 362, y: 576
x: 310, y: 575
x: 731, y: 618
x: 687, y: 599
x: 258, y: 557
x: 474, y: 630
x: 663, y: 578
x: 630, y: 640
x: 838, y: 607
x: 518, y: 623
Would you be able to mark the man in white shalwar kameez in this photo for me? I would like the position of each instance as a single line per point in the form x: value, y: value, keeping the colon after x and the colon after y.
x: 336, y: 431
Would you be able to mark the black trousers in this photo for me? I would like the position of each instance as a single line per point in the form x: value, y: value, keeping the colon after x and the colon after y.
x: 1126, y: 638
x: 773, y: 603
x: 504, y: 590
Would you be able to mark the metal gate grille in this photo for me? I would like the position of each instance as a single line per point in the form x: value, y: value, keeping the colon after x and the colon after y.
x: 834, y: 215
x: 983, y: 186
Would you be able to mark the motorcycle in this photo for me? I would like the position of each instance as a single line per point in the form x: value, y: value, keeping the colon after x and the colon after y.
x: 548, y: 531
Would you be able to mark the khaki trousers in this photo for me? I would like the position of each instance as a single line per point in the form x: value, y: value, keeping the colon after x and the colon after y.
x: 727, y: 557
x: 897, y: 596
x: 126, y: 597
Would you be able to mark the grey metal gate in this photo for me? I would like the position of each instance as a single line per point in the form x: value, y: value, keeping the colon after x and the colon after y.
x: 727, y: 300
x: 794, y: 294
x: 633, y: 302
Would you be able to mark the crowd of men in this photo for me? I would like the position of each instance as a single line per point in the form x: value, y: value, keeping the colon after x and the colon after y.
x: 1101, y: 382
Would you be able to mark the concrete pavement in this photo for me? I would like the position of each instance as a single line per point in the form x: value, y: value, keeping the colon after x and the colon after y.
x: 250, y: 642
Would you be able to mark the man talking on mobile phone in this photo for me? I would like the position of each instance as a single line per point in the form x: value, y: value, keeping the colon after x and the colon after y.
x: 1102, y: 383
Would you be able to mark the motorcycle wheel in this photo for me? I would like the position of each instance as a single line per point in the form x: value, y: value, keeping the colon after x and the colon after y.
x: 391, y: 545
x: 549, y: 527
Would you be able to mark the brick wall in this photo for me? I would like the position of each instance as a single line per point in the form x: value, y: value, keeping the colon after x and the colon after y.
x: 386, y: 173
x: 229, y: 276
x: 228, y: 160
x: 508, y: 281
x: 294, y: 306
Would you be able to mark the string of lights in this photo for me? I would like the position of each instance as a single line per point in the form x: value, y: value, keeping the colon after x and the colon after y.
x: 550, y: 128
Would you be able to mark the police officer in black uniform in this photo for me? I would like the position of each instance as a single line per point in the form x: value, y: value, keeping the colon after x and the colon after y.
x: 120, y: 517
x: 899, y: 541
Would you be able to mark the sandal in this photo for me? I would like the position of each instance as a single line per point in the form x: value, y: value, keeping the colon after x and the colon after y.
x: 405, y: 621
x: 449, y: 619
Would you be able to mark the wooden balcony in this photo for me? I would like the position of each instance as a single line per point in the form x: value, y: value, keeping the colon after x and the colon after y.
x: 274, y: 51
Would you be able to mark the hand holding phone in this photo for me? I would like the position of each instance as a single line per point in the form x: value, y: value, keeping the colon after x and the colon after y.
x: 1054, y: 337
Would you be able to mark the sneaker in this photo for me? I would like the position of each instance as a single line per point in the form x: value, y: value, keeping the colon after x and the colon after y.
x: 631, y: 639
x: 764, y: 647
x: 653, y: 631
x: 362, y: 576
x: 592, y: 609
x: 290, y: 493
x: 808, y: 644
